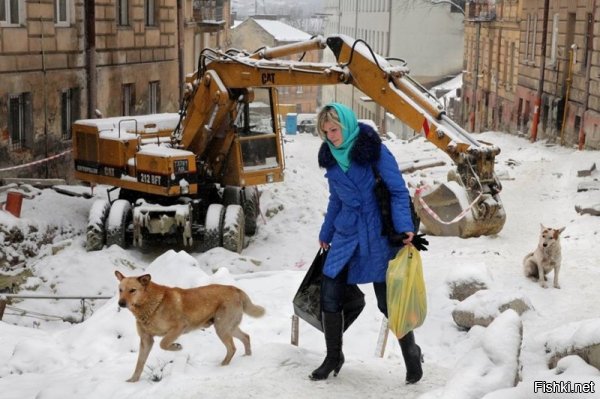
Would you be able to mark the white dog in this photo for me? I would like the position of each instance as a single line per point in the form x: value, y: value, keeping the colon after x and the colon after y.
x: 546, y: 257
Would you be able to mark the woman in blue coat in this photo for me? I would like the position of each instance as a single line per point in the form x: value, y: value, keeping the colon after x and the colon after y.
x: 351, y: 231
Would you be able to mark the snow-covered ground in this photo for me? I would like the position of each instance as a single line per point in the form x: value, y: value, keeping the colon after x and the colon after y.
x: 55, y: 359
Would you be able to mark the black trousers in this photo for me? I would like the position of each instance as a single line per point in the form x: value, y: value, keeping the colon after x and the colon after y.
x: 333, y: 289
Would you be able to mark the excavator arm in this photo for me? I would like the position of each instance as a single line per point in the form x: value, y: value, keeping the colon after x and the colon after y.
x: 467, y: 205
x: 471, y: 197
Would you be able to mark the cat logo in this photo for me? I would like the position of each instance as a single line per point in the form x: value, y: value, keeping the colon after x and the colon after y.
x: 268, y: 78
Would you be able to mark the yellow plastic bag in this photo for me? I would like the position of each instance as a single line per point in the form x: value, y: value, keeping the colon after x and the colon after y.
x: 406, y: 296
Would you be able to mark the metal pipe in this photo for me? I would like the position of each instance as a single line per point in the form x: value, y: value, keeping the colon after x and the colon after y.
x: 476, y: 78
x: 34, y: 296
x: 589, y: 51
x: 540, y: 89
x: 569, y: 78
x: 45, y: 95
x: 90, y: 56
x: 180, y: 48
x: 316, y: 43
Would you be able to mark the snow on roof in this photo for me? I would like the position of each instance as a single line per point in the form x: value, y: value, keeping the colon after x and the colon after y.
x: 282, y: 32
x: 126, y: 126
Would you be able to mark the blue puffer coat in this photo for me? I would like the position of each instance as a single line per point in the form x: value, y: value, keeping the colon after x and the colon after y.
x: 352, y: 225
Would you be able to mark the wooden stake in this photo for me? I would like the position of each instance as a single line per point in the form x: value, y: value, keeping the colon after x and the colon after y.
x: 295, y: 330
x: 383, y: 336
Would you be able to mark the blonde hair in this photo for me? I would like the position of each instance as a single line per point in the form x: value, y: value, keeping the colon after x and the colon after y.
x: 327, y: 114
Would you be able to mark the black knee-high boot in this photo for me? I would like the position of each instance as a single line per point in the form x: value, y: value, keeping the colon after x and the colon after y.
x: 411, y: 352
x: 333, y: 327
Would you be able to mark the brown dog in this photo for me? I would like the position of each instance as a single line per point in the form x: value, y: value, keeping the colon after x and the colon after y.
x: 169, y: 312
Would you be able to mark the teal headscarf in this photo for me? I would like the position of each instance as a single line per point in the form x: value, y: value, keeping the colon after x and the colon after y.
x: 350, y: 131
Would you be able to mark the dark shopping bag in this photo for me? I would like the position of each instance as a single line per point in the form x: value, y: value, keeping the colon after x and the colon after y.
x: 307, y: 301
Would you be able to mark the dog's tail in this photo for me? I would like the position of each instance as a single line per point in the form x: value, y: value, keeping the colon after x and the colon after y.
x: 249, y: 308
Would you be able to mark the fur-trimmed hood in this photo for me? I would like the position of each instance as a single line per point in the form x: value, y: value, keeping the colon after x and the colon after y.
x: 366, y: 149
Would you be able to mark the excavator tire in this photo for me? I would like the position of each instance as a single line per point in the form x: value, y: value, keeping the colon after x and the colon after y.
x: 233, y: 229
x: 214, y: 227
x: 251, y: 210
x: 117, y: 223
x: 232, y: 196
x: 96, y: 228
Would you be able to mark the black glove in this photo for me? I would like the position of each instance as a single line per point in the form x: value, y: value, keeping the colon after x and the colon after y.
x: 420, y: 242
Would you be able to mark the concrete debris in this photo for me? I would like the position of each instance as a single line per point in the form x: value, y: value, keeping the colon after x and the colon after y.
x: 586, y: 172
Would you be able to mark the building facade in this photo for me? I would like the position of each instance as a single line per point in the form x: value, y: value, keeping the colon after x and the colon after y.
x: 253, y: 33
x: 518, y: 76
x: 491, y: 64
x: 427, y: 36
x: 206, y: 24
x: 62, y: 60
x: 570, y: 100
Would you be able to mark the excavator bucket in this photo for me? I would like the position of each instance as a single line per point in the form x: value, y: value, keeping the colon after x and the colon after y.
x: 451, y: 210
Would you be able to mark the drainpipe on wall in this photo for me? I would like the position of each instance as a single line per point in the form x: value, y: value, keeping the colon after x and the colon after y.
x: 45, y: 94
x: 540, y: 90
x: 89, y: 11
x: 572, y: 52
x: 475, y: 107
x: 590, y: 51
x: 180, y: 47
x: 497, y: 105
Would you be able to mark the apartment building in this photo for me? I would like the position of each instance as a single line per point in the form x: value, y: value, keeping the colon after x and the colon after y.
x: 206, y: 24
x: 509, y: 74
x: 62, y: 60
x: 570, y: 98
x: 491, y: 64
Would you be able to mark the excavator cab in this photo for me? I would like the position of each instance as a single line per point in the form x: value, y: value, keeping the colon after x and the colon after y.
x: 255, y: 155
x: 259, y: 138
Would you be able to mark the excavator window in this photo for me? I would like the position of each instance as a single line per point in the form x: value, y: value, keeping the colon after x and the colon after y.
x: 257, y: 138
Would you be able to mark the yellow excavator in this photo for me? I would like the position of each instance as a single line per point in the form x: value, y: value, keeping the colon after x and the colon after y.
x: 193, y: 175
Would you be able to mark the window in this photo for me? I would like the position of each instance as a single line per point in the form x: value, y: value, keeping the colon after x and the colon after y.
x: 530, y: 37
x: 61, y: 12
x: 299, y: 89
x: 123, y: 12
x: 128, y: 99
x: 20, y: 120
x: 69, y: 110
x: 511, y: 72
x: 154, y: 97
x: 11, y: 12
x: 150, y: 12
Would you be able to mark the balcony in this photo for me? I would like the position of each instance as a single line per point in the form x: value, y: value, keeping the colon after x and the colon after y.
x: 208, y: 15
x: 481, y: 11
